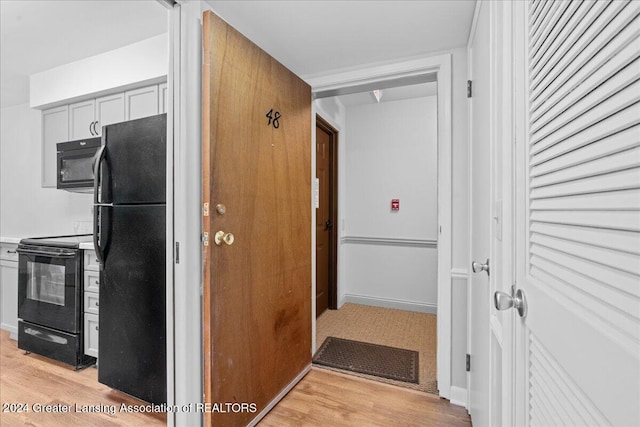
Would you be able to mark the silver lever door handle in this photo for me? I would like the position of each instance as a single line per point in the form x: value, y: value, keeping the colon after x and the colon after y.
x: 477, y: 267
x: 504, y: 301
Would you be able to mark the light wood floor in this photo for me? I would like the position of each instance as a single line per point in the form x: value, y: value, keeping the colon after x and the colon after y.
x: 33, y: 379
x: 322, y: 398
x: 327, y: 398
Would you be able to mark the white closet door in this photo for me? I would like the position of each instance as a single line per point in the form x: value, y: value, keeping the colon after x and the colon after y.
x: 579, y: 214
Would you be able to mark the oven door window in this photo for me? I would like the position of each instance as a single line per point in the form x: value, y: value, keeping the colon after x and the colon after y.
x: 50, y: 291
x: 46, y: 282
x: 76, y: 169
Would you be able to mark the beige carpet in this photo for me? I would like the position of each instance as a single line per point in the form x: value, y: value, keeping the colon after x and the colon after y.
x: 386, y: 326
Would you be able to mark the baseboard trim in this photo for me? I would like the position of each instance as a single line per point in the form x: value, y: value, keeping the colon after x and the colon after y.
x: 280, y: 396
x: 391, y: 303
x: 13, y: 331
x: 459, y: 396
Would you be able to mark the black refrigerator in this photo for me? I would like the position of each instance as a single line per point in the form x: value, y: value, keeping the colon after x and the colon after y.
x: 129, y: 238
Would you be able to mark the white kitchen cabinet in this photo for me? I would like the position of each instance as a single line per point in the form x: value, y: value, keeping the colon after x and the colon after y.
x: 91, y: 281
x: 91, y: 334
x: 141, y: 102
x: 91, y: 262
x: 55, y: 128
x: 163, y: 97
x: 91, y: 298
x: 91, y: 303
x: 85, y: 119
x: 81, y: 120
x: 109, y: 110
x: 9, y: 289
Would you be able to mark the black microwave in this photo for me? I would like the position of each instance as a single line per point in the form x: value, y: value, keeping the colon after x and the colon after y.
x: 75, y: 164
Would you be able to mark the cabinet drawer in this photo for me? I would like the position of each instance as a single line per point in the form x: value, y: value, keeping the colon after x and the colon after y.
x: 8, y: 252
x: 91, y: 260
x: 91, y: 303
x: 91, y: 334
x: 92, y: 281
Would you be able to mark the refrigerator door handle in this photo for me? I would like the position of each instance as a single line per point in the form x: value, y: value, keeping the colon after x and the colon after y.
x: 97, y: 169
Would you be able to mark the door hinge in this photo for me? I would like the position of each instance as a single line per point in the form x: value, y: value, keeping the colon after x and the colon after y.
x: 205, y: 209
x: 469, y: 88
x: 177, y: 253
x: 468, y: 367
x: 205, y: 238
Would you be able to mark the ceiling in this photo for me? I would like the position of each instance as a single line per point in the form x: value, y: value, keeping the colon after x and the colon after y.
x: 315, y: 37
x: 392, y: 94
x: 39, y: 35
x: 309, y: 37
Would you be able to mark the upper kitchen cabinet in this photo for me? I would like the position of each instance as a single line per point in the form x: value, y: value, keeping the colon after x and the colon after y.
x: 163, y: 97
x: 55, y: 128
x: 109, y: 110
x: 81, y: 120
x: 141, y: 102
x: 87, y: 118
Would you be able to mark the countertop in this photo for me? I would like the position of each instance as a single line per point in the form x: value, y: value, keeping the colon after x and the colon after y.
x: 87, y: 246
x: 14, y: 240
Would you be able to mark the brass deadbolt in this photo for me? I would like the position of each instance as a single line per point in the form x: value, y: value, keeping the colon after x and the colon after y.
x: 222, y: 237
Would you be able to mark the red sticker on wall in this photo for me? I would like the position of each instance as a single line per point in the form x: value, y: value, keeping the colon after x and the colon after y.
x: 395, y: 204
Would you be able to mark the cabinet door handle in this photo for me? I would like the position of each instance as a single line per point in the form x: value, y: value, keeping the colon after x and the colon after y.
x: 97, y: 328
x: 90, y: 130
x: 12, y: 252
x: 95, y: 129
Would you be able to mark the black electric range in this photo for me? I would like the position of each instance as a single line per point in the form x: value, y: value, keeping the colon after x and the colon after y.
x: 50, y: 299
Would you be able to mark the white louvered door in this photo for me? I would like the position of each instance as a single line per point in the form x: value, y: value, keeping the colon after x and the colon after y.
x: 578, y: 213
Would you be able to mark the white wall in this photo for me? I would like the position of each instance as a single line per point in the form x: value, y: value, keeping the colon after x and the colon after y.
x: 26, y: 209
x: 137, y: 64
x: 391, y: 153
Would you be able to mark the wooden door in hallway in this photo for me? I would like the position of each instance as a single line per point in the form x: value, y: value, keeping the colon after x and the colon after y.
x: 326, y: 217
x: 257, y: 220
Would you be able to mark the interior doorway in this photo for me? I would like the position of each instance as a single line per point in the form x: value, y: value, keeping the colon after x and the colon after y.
x: 389, y: 284
x: 326, y: 216
x: 431, y: 69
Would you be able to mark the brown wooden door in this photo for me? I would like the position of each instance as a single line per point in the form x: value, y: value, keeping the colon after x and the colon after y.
x: 326, y: 216
x: 257, y: 184
x: 323, y: 219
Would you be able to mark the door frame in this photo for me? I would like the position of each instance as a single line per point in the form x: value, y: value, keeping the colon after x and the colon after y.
x: 432, y: 68
x: 333, y: 209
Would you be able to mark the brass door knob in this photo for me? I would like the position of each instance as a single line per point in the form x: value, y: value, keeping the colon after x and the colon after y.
x: 222, y: 237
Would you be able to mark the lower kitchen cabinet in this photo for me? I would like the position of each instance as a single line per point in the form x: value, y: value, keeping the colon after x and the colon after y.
x: 91, y: 310
x: 9, y: 289
x: 91, y: 334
